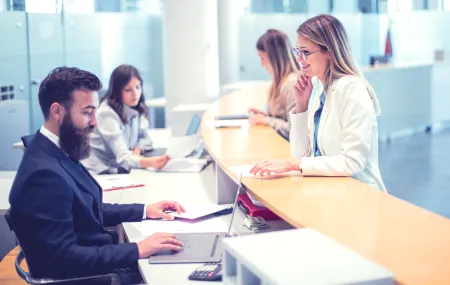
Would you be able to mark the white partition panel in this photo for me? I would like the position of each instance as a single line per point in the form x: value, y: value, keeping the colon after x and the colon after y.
x: 415, y: 36
x: 405, y: 98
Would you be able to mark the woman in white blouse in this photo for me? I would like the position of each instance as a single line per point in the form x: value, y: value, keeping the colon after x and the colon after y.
x: 338, y: 134
x: 121, y: 134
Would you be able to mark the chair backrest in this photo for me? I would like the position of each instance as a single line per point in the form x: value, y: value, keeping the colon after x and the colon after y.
x: 9, y: 220
x: 20, y: 256
x: 26, y: 140
x: 23, y: 274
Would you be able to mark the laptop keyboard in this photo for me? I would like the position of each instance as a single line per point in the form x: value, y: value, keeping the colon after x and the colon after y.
x: 202, y: 244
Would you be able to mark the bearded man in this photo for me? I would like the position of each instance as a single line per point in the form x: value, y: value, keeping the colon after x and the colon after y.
x: 56, y: 210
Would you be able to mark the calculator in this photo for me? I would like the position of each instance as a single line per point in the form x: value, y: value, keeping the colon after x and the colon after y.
x: 207, y: 272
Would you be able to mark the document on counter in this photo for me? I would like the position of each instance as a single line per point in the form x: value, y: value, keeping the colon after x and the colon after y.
x: 149, y: 227
x: 111, y: 182
x: 180, y: 147
x: 221, y: 124
x: 183, y: 165
x: 195, y: 211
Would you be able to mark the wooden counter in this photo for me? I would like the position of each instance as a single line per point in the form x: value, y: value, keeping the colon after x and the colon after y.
x: 413, y: 243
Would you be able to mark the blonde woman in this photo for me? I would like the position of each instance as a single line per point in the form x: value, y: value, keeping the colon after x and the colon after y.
x: 338, y: 135
x: 276, y: 56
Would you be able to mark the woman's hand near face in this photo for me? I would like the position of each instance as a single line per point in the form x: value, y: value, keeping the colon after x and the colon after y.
x: 302, y: 91
x: 254, y: 111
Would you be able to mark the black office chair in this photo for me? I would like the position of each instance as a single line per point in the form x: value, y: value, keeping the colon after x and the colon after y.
x: 113, y: 279
x: 26, y: 140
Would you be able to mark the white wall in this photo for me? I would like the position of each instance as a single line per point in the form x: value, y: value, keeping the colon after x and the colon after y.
x: 319, y: 6
x: 416, y: 35
x: 418, y: 4
x: 191, y: 65
x: 347, y: 6
x: 435, y: 4
x: 228, y: 35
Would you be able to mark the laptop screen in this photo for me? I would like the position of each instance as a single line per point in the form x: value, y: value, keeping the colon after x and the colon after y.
x: 194, y: 125
x: 235, y: 205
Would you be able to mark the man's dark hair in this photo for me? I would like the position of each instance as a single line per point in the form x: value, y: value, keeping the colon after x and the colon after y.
x: 59, y: 85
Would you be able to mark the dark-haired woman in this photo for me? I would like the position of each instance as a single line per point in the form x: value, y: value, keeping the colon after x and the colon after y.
x: 121, y: 135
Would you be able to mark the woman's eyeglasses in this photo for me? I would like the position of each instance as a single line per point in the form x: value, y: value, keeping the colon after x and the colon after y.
x: 303, y: 55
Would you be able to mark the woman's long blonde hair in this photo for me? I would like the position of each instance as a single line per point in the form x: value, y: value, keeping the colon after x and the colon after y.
x: 329, y: 33
x: 278, y: 49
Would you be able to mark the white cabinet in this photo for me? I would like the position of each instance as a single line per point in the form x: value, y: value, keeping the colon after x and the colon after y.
x: 300, y: 256
x: 14, y: 122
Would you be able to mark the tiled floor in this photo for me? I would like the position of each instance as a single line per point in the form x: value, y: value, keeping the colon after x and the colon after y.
x: 417, y: 169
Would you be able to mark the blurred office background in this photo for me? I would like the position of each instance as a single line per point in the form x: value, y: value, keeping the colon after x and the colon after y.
x: 188, y: 51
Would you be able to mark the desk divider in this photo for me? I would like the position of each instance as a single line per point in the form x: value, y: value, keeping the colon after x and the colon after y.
x: 226, y: 187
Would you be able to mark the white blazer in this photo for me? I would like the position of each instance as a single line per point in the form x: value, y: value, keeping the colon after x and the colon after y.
x: 347, y: 135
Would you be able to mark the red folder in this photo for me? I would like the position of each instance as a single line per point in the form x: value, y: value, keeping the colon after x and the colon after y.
x: 251, y: 209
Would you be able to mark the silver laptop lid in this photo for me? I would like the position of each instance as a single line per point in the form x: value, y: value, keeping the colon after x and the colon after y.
x: 235, y: 205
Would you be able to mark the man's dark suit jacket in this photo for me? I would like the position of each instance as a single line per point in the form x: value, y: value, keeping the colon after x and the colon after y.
x: 59, y: 217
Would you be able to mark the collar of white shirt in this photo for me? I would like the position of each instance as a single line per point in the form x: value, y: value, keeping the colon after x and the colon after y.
x: 51, y: 136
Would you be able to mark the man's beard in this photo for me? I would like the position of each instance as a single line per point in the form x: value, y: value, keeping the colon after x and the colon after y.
x: 73, y: 141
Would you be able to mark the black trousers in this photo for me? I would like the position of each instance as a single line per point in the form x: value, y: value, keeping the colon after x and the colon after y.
x: 130, y: 276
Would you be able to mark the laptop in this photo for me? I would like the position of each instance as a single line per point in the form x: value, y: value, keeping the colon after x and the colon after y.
x: 192, y: 130
x: 198, y: 247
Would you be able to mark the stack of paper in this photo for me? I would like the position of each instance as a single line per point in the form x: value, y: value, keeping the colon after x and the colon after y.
x: 116, y: 182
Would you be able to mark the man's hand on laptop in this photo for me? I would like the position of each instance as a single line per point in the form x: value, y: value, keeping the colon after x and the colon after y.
x: 158, y: 210
x: 158, y: 242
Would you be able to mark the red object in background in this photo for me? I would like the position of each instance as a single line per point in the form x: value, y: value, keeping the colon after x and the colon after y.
x: 123, y: 188
x: 388, y: 46
x: 255, y: 211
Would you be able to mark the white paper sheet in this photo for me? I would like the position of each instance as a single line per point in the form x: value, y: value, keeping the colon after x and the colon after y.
x: 149, y: 227
x: 195, y: 211
x: 180, y: 147
x: 116, y: 182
